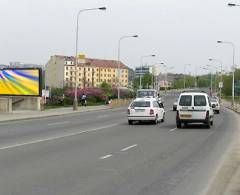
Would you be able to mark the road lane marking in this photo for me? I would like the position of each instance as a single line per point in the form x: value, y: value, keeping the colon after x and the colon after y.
x: 57, y: 137
x: 58, y: 123
x: 129, y: 147
x: 105, y: 157
x: 173, y: 130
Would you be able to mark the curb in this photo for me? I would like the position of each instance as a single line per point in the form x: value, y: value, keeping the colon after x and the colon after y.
x: 54, y: 115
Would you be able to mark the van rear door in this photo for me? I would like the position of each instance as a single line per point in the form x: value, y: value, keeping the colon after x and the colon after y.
x: 200, y: 107
x: 185, y: 106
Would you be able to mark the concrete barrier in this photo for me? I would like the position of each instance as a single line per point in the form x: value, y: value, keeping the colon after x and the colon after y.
x: 120, y: 102
x: 6, y: 104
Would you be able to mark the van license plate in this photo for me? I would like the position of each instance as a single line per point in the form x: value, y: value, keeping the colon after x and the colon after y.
x: 186, y: 116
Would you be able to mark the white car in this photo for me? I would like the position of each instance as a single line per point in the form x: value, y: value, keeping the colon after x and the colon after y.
x: 215, y: 105
x: 194, y: 107
x: 146, y: 109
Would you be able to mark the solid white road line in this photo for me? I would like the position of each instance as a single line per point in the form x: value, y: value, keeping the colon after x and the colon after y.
x: 57, y: 137
x: 58, y: 123
x: 105, y: 157
x: 129, y: 147
x: 173, y: 130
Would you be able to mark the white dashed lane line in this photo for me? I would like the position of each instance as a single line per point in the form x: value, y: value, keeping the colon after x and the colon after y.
x: 105, y: 157
x: 129, y: 147
x: 173, y: 130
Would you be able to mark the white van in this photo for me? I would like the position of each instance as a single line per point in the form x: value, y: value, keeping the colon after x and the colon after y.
x: 194, y: 107
x: 148, y: 93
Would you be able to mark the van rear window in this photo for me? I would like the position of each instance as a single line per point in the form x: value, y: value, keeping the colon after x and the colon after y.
x: 200, y: 100
x: 186, y: 100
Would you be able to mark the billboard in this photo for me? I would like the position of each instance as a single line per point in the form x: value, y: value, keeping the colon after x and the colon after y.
x: 20, y: 82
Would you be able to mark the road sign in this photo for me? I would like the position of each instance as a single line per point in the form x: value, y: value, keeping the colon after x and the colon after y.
x: 220, y: 85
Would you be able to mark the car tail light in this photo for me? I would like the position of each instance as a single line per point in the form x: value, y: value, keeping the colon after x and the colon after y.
x: 207, y: 115
x: 128, y: 111
x: 151, y: 112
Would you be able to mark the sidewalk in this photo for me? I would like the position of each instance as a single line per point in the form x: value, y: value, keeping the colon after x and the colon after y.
x: 25, y: 114
x: 227, y: 180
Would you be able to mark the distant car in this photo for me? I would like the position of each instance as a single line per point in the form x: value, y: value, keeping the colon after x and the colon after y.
x: 215, y: 105
x: 175, y: 105
x: 194, y: 107
x: 146, y: 109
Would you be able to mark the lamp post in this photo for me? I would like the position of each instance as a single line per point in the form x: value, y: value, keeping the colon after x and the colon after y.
x: 221, y: 65
x: 75, y: 102
x: 184, y: 80
x: 212, y: 80
x: 166, y: 76
x: 233, y: 5
x: 233, y: 72
x: 205, y: 68
x: 142, y: 57
x: 119, y: 53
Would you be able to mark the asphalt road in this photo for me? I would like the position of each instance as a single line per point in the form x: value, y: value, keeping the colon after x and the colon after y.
x: 98, y: 153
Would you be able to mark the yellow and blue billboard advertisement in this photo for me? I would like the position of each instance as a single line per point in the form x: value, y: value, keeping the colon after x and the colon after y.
x: 20, y: 82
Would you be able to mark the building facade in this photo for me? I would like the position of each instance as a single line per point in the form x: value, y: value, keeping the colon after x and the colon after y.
x: 60, y: 72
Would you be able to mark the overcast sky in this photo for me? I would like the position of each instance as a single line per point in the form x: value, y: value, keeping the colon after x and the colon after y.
x: 178, y: 31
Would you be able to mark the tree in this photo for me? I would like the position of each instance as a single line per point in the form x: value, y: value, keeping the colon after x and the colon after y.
x: 147, y: 81
x: 107, y: 89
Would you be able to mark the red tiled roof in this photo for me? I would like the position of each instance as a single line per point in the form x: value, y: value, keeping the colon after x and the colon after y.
x: 105, y: 63
x: 96, y: 62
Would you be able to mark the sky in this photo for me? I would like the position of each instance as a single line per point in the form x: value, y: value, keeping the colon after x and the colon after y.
x: 178, y: 32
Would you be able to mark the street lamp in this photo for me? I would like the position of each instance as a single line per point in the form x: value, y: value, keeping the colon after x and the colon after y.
x: 233, y: 5
x: 184, y: 80
x: 221, y: 65
x: 233, y: 79
x: 166, y: 75
x: 119, y: 53
x: 75, y: 102
x: 154, y: 80
x: 142, y: 57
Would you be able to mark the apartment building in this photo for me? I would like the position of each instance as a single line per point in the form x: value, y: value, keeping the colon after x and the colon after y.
x: 60, y: 72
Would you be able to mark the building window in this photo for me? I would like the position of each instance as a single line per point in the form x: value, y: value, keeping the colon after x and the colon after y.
x: 88, y: 69
x: 66, y: 73
x: 88, y: 79
x: 79, y: 74
x: 126, y: 76
x: 66, y: 68
x: 104, y: 75
x: 89, y: 74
